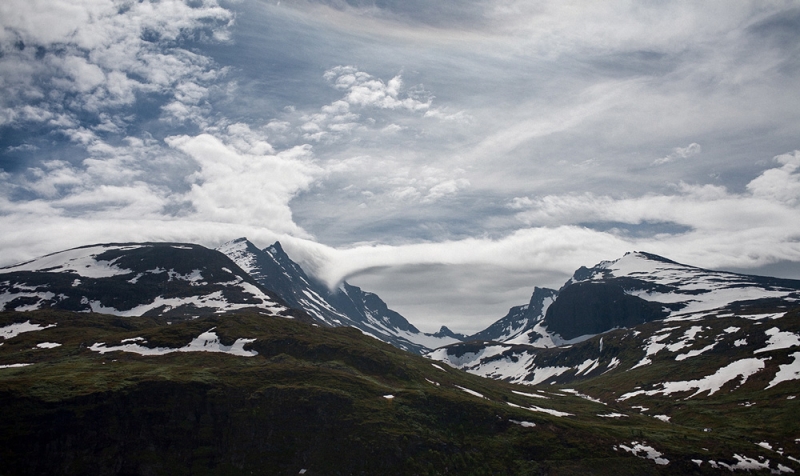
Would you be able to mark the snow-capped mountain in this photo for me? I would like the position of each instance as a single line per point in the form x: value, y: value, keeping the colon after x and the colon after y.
x: 641, y: 287
x: 657, y: 304
x: 170, y: 280
x: 346, y: 305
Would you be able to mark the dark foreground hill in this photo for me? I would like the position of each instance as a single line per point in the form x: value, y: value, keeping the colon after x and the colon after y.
x: 84, y: 393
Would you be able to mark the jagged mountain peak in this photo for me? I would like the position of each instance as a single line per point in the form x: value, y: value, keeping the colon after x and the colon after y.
x: 276, y: 249
x: 240, y: 250
x: 445, y: 331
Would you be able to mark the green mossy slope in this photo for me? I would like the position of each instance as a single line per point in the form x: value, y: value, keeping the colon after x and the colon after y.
x: 312, y: 399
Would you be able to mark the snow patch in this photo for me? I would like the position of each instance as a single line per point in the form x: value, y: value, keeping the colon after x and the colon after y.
x: 787, y: 372
x: 712, y: 383
x: 206, y: 342
x: 549, y: 411
x: 531, y: 395
x: 524, y: 424
x: 13, y: 330
x: 13, y: 366
x: 613, y: 364
x: 215, y: 300
x: 471, y: 392
x: 48, y: 345
x: 695, y: 353
x: 743, y: 463
x: 644, y: 451
x: 652, y: 347
x: 78, y: 260
x: 581, y: 395
x: 26, y: 293
x: 541, y: 374
x: 779, y: 339
x: 587, y: 366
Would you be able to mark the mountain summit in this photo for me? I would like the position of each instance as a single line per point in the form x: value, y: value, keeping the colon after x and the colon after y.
x: 641, y: 287
x: 169, y: 280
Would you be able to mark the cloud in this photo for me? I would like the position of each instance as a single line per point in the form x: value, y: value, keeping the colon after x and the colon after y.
x: 680, y: 153
x: 445, y: 188
x: 781, y: 184
x: 245, y: 188
x: 722, y: 230
x: 725, y: 229
x: 364, y: 90
x: 518, y: 203
x: 96, y: 55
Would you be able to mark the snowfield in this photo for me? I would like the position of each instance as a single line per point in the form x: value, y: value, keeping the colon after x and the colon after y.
x: 81, y: 261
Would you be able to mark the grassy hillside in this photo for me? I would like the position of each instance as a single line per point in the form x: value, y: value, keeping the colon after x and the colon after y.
x: 315, y: 399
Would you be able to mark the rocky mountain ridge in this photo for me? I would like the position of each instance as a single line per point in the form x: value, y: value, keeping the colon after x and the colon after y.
x: 346, y: 305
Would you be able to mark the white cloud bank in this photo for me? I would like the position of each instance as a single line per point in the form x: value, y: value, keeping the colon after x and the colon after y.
x: 723, y: 229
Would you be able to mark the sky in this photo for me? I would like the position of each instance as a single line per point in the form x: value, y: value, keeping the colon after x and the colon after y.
x: 448, y: 156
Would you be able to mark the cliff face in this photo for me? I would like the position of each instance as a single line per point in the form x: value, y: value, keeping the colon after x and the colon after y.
x: 588, y: 308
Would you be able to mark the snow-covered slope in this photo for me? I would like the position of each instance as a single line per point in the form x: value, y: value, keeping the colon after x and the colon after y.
x: 684, y: 290
x: 681, y: 304
x: 346, y: 305
x: 684, y: 358
x: 135, y: 279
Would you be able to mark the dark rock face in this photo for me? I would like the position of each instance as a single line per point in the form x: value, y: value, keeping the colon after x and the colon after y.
x: 591, y: 308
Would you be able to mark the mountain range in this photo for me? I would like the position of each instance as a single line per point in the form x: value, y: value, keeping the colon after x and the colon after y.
x: 345, y: 305
x: 636, y: 289
x: 235, y: 360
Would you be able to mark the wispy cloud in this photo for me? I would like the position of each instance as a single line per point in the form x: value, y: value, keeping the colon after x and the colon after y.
x: 680, y: 153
